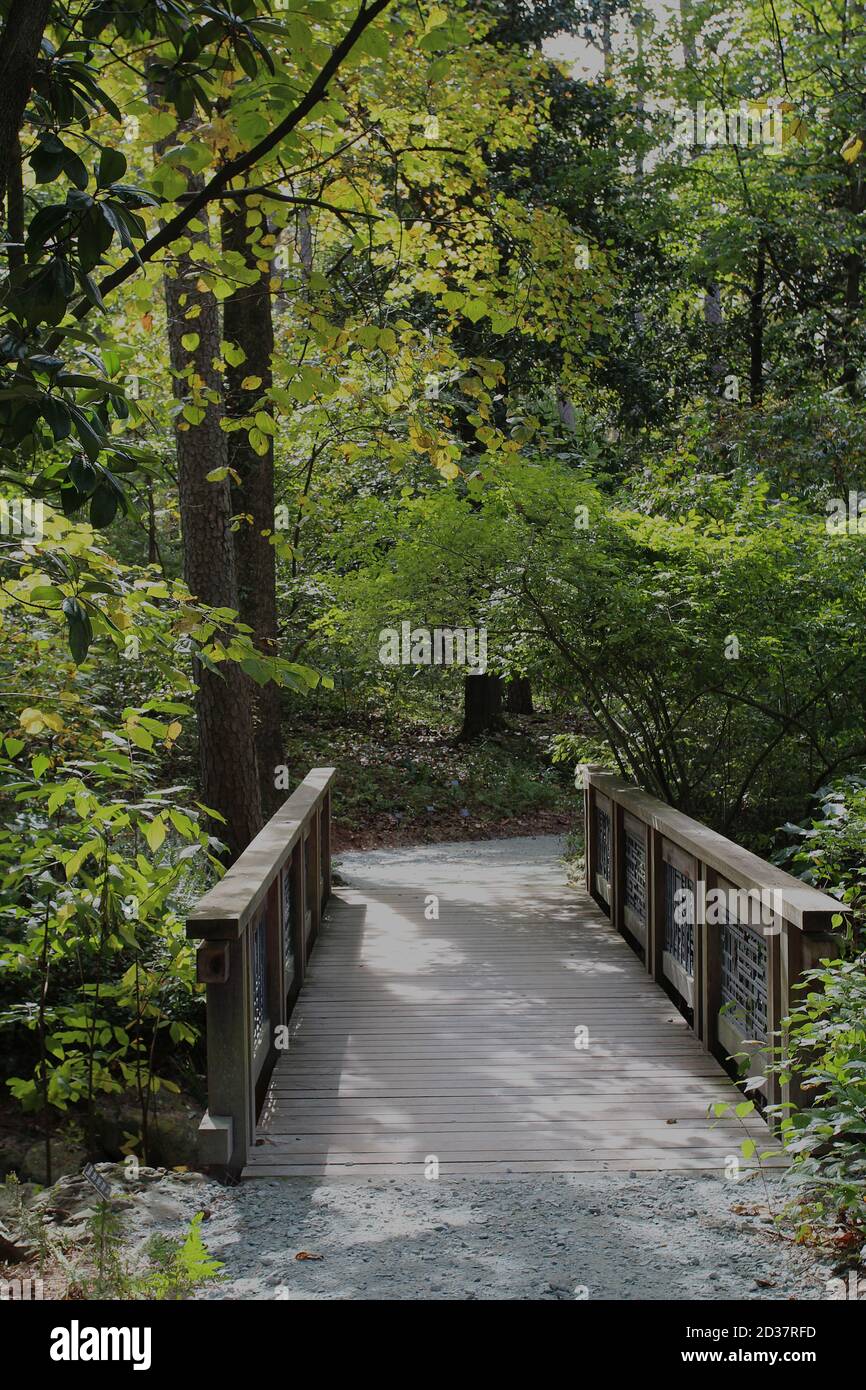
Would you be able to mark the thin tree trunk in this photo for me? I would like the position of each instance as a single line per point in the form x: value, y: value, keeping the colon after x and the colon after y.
x: 687, y: 24
x: 853, y: 259
x: 756, y: 329
x: 305, y: 243
x: 714, y: 318
x: 247, y: 323
x: 606, y: 44
x: 152, y: 545
x: 638, y: 20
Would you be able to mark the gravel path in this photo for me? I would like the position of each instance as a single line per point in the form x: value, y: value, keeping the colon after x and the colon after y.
x: 564, y: 1236
x: 651, y: 1236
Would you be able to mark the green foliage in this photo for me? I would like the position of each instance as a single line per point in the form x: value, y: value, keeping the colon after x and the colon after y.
x: 825, y: 1045
x: 174, y: 1268
x: 827, y: 851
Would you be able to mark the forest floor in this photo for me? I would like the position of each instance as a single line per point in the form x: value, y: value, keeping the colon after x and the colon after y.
x: 408, y: 783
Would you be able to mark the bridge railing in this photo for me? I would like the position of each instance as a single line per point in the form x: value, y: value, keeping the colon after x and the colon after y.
x: 257, y: 927
x: 727, y: 933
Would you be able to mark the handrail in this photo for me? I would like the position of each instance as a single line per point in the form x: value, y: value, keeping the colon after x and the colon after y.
x: 727, y: 934
x: 258, y: 926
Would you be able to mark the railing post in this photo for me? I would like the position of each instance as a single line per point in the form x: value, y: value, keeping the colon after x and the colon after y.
x: 775, y: 1012
x: 799, y: 951
x: 656, y: 903
x: 227, y: 1130
x: 700, y: 935
x: 276, y: 960
x: 588, y: 833
x: 326, y: 848
x: 617, y: 865
x: 711, y: 974
x: 299, y: 912
x: 314, y: 886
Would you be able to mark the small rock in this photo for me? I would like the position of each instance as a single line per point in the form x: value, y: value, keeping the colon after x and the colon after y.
x: 13, y: 1247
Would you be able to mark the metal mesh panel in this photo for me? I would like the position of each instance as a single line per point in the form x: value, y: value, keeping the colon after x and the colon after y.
x: 288, y: 923
x: 744, y: 978
x: 260, y: 982
x: 635, y: 875
x: 680, y: 918
x: 602, y: 842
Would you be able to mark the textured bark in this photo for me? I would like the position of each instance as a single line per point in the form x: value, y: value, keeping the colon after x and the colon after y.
x: 482, y: 708
x: 227, y: 750
x: 19, y: 53
x: 247, y: 323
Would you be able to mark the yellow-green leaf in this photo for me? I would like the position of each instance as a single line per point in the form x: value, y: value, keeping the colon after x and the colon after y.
x: 154, y: 833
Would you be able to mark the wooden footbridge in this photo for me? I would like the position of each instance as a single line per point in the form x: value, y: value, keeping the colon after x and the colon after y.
x: 450, y: 1016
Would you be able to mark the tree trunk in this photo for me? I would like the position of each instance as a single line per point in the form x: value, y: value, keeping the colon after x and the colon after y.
x: 853, y: 274
x: 15, y: 228
x: 565, y: 410
x: 688, y: 28
x: 638, y: 19
x: 606, y: 44
x: 482, y: 707
x: 714, y: 319
x: 756, y: 329
x: 19, y: 54
x: 247, y: 323
x: 518, y: 696
x: 226, y: 747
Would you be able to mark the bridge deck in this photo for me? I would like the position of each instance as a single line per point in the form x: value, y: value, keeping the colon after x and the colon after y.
x: 455, y: 1037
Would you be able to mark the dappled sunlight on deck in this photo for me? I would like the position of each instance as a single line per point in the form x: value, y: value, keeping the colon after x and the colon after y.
x: 450, y: 1040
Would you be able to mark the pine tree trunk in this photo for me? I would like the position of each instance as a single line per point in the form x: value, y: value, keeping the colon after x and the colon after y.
x: 248, y: 324
x: 482, y: 707
x: 226, y: 747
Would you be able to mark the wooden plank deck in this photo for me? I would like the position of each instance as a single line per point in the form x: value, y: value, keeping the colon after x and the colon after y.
x: 455, y: 1037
